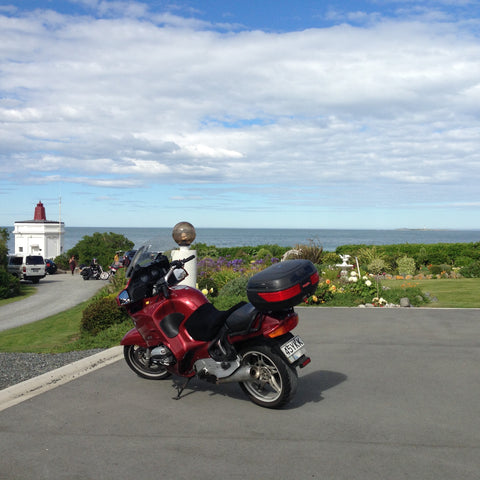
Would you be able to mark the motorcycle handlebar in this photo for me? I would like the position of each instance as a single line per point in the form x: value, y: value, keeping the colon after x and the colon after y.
x: 185, y: 260
x: 181, y: 263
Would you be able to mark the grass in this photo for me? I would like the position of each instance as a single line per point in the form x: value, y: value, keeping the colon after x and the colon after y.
x: 451, y: 293
x: 61, y: 332
x: 44, y: 336
x: 25, y: 289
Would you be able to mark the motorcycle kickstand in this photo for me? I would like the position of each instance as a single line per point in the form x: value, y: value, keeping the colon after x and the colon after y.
x: 181, y: 388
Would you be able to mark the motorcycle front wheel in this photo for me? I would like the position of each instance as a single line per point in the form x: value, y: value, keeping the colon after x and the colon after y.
x: 276, y: 381
x: 137, y: 360
x: 104, y: 276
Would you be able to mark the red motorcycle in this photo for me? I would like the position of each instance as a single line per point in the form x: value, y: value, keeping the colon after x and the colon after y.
x: 178, y: 331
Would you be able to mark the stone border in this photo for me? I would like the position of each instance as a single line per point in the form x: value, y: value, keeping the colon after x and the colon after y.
x: 35, y: 386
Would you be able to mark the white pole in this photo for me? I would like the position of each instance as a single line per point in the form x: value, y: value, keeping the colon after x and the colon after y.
x: 59, y: 249
x: 358, y: 267
x: 190, y: 267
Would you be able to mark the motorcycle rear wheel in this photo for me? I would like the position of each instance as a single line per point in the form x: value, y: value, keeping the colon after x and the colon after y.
x: 277, y: 380
x: 136, y: 359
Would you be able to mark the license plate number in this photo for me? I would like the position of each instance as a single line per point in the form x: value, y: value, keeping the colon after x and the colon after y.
x: 293, y: 349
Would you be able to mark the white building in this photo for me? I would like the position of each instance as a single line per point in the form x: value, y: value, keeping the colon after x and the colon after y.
x: 39, y: 236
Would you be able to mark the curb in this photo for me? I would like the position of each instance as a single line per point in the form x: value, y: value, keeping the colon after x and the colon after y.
x: 35, y: 386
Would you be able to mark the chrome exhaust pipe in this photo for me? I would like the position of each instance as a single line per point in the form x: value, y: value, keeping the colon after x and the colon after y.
x: 242, y: 374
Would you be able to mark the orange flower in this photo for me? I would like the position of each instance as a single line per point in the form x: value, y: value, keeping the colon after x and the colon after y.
x: 327, y: 281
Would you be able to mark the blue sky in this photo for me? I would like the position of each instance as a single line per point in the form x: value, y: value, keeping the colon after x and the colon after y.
x: 288, y: 114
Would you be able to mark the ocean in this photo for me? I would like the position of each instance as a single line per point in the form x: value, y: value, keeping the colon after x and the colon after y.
x: 233, y: 237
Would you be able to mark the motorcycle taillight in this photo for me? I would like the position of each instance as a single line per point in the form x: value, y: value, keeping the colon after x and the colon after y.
x: 283, y: 327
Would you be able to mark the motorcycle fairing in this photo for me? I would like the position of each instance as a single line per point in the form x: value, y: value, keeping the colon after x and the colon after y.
x: 170, y: 324
x: 133, y: 337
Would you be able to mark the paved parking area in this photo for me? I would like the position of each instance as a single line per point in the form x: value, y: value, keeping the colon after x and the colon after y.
x: 390, y: 394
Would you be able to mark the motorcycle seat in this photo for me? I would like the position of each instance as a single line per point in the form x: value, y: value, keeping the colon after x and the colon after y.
x: 206, y: 321
x: 241, y: 320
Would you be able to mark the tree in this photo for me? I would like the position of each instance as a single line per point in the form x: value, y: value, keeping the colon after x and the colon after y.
x: 101, y: 246
x: 9, y: 285
x: 3, y: 247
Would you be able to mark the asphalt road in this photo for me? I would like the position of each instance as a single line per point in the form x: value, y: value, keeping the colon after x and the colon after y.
x: 55, y: 293
x: 390, y: 394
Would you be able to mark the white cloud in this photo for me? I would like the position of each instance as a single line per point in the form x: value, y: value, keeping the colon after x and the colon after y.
x: 139, y: 100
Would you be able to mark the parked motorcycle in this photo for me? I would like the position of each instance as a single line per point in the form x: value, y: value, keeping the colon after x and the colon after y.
x: 178, y: 331
x: 94, y: 272
x: 113, y: 269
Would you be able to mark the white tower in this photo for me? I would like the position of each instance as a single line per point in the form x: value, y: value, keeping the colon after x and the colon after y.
x: 39, y: 236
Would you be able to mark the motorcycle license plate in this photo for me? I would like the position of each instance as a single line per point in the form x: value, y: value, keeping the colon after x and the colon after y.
x: 293, y: 349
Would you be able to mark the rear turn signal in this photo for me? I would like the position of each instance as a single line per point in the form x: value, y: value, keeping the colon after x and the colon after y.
x: 284, y: 327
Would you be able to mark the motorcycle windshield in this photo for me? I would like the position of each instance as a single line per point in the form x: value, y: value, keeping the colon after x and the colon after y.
x: 144, y: 256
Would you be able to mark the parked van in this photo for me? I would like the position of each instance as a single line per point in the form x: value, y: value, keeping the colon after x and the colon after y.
x: 28, y: 267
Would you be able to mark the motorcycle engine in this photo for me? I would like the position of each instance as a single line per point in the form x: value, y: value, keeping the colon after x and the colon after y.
x: 162, y: 355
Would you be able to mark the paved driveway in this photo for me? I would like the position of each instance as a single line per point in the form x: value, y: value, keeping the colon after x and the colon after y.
x: 55, y: 293
x: 390, y: 394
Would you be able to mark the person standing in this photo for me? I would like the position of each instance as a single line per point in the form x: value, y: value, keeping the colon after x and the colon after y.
x: 72, y: 263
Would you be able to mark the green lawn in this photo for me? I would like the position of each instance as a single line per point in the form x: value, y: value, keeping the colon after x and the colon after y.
x: 451, y: 293
x: 44, y: 336
x: 25, y: 289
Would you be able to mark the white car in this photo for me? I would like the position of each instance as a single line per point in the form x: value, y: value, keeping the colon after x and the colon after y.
x: 28, y: 267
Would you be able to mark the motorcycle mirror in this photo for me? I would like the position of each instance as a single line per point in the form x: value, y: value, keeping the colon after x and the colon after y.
x: 180, y: 274
x: 124, y: 298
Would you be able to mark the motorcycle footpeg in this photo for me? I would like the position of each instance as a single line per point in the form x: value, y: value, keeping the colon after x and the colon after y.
x: 222, y: 351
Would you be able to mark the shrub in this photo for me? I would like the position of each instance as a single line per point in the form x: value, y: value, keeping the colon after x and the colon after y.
x: 362, y: 288
x: 367, y: 255
x: 439, y: 269
x: 209, y: 284
x: 345, y: 299
x: 222, y: 277
x: 235, y: 287
x: 62, y: 261
x: 377, y: 266
x: 117, y: 282
x: 226, y: 302
x: 9, y: 285
x: 104, y: 339
x: 330, y: 259
x: 101, y: 246
x: 324, y: 292
x: 422, y: 258
x: 101, y: 314
x: 406, y: 266
x: 3, y: 247
x: 471, y: 271
x: 331, y: 274
x: 246, y: 253
x: 412, y: 292
x: 313, y: 252
x: 264, y: 253
x: 463, y: 261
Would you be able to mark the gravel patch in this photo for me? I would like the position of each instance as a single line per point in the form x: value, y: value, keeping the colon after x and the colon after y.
x: 17, y: 367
